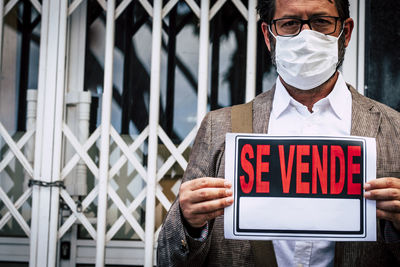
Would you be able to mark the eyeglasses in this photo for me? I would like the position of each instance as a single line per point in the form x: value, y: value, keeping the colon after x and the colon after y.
x: 292, y: 26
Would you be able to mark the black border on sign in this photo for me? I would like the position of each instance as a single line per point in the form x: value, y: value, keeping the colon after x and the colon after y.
x: 300, y: 233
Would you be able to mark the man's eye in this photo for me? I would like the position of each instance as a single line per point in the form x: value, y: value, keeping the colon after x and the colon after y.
x: 321, y: 21
x: 290, y: 23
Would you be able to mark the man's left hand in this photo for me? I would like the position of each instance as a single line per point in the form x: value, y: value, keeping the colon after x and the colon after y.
x: 386, y: 192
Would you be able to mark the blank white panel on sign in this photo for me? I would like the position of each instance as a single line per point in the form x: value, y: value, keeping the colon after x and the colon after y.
x: 299, y: 214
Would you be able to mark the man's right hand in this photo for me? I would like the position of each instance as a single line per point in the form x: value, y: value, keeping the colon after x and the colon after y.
x: 203, y: 199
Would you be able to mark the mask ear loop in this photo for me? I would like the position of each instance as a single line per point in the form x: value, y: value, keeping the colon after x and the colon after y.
x: 269, y: 29
x: 341, y: 31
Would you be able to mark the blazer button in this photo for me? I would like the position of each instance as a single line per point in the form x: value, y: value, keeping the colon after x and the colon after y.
x: 183, y: 246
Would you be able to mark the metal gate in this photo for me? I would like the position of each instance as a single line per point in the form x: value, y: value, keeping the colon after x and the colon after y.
x: 63, y: 216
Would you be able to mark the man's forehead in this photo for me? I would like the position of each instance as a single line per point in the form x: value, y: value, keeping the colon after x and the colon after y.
x: 305, y: 7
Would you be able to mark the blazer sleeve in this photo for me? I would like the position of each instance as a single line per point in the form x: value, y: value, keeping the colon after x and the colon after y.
x: 175, y: 246
x: 388, y: 163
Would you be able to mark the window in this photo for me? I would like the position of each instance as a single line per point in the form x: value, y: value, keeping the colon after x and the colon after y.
x: 382, y: 34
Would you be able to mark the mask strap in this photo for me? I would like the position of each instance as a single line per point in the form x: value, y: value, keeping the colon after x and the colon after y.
x: 269, y: 29
x: 341, y: 31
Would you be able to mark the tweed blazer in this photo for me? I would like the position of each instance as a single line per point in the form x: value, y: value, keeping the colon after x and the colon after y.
x: 369, y: 118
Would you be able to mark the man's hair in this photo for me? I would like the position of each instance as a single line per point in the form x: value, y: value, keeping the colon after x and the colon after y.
x: 266, y: 9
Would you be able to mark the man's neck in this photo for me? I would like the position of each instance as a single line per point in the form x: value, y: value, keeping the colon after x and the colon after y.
x: 309, y: 97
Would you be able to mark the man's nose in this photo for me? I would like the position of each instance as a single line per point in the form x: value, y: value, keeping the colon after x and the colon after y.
x: 306, y: 26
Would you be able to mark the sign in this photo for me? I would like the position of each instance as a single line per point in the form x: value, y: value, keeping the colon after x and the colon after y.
x: 305, y: 188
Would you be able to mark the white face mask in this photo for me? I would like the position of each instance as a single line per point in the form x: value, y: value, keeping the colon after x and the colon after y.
x: 307, y: 60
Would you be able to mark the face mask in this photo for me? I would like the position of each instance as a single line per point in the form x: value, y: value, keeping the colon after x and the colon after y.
x: 307, y: 60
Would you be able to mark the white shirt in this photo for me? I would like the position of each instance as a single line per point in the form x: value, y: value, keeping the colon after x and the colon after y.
x: 331, y: 116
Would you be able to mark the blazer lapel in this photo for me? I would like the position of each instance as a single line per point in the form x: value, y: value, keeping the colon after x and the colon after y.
x: 262, y: 107
x: 365, y: 118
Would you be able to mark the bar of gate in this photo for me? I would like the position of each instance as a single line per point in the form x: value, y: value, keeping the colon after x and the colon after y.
x: 203, y: 61
x: 39, y: 138
x: 360, y: 45
x: 153, y: 133
x: 251, y: 51
x: 58, y: 122
x: 1, y: 33
x: 105, y: 134
x: 48, y: 135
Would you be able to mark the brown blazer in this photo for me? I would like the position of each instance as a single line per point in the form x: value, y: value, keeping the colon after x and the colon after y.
x: 369, y: 118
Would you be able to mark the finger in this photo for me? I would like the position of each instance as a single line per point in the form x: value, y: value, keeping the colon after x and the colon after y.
x: 388, y: 205
x: 383, y: 194
x: 214, y: 214
x: 205, y: 194
x: 201, y: 219
x: 205, y: 182
x: 389, y: 216
x: 380, y: 183
x: 211, y: 206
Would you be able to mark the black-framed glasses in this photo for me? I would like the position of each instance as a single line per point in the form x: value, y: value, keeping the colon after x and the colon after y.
x: 289, y: 27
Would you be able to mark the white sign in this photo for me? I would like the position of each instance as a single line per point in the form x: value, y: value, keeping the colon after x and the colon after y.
x: 308, y: 188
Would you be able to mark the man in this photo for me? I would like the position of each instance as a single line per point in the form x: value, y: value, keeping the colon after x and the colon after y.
x: 307, y: 39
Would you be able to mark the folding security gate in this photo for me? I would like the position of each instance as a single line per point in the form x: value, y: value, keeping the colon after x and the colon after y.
x: 63, y: 217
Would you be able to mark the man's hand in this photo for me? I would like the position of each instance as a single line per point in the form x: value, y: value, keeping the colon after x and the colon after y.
x: 386, y: 192
x: 203, y: 199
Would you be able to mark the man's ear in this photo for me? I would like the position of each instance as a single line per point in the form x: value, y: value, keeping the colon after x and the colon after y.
x: 348, y: 29
x: 266, y: 33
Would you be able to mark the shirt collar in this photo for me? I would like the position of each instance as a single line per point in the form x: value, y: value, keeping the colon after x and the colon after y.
x: 338, y: 98
x: 281, y: 99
